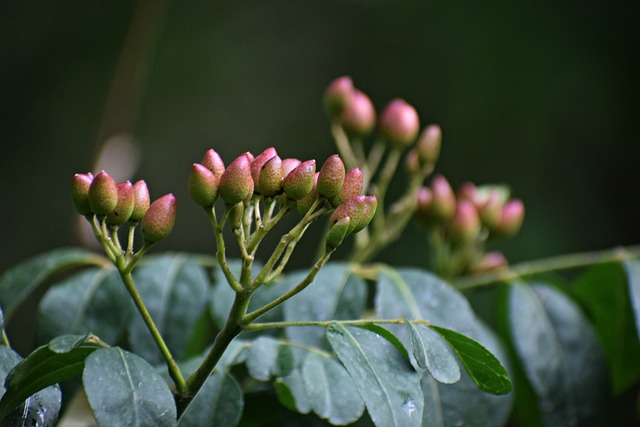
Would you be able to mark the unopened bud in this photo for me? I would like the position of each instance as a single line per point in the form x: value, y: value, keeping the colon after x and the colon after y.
x: 337, y: 233
x: 236, y: 183
x: 331, y: 177
x: 429, y: 144
x: 259, y: 161
x: 443, y: 203
x: 124, y: 207
x: 337, y: 95
x: 491, y: 210
x: 236, y: 215
x: 352, y: 186
x: 141, y: 201
x: 491, y: 261
x: 203, y: 185
x: 213, y: 162
x: 360, y: 209
x: 423, y: 205
x: 412, y: 162
x: 303, y: 205
x: 511, y: 218
x: 359, y: 116
x: 159, y: 219
x: 299, y: 182
x: 270, y: 177
x: 80, y: 184
x: 366, y: 214
x: 288, y: 165
x: 103, y: 194
x: 399, y: 123
x: 465, y: 225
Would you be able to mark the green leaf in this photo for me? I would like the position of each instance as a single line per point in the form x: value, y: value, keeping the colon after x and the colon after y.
x: 60, y: 360
x: 219, y: 403
x: 335, y: 294
x: 174, y: 289
x: 483, y: 367
x: 330, y: 390
x: 124, y: 390
x: 431, y: 353
x: 291, y: 392
x: 18, y: 282
x: 8, y: 359
x: 91, y: 301
x: 267, y: 357
x: 40, y: 409
x: 603, y: 292
x: 632, y: 268
x: 570, y: 378
x: 385, y: 380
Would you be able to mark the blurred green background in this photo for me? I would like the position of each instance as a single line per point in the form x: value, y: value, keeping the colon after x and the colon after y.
x: 541, y: 95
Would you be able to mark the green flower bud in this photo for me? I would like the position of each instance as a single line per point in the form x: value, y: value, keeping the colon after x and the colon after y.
x: 465, y: 225
x: 429, y: 143
x: 159, y: 219
x: 424, y: 198
x: 511, y: 218
x: 80, y: 184
x: 270, y: 177
x: 359, y: 116
x: 259, y: 161
x: 141, y: 201
x: 303, y: 205
x: 337, y: 233
x: 288, y: 165
x: 443, y: 203
x: 236, y: 183
x: 103, y: 194
x: 352, y: 186
x: 203, y: 186
x: 124, y: 207
x: 360, y: 209
x: 365, y: 214
x: 337, y: 95
x: 399, y: 123
x: 331, y: 177
x: 412, y: 162
x: 213, y: 162
x: 299, y: 182
x: 491, y: 210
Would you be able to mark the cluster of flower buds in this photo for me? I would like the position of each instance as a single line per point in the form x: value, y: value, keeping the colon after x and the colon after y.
x: 117, y: 204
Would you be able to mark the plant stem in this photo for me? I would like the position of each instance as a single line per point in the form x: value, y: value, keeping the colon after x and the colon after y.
x: 562, y: 262
x: 221, y: 249
x: 382, y: 185
x: 5, y: 339
x: 359, y: 322
x: 342, y: 142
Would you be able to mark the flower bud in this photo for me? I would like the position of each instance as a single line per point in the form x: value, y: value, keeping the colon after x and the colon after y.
x: 141, y: 201
x: 288, y: 165
x: 352, y: 186
x: 103, y: 194
x: 331, y: 177
x: 359, y: 116
x: 443, y: 203
x: 465, y: 225
x: 259, y: 161
x: 80, y: 184
x: 337, y: 95
x: 429, y: 143
x: 303, y: 205
x: 424, y: 198
x: 337, y: 233
x: 511, y: 218
x: 203, y: 186
x: 365, y: 214
x: 491, y: 210
x: 412, y: 162
x: 124, y: 207
x: 236, y: 183
x: 236, y: 215
x: 299, y: 182
x: 469, y: 191
x: 399, y: 123
x: 491, y: 261
x: 213, y: 162
x: 270, y: 177
x: 158, y: 221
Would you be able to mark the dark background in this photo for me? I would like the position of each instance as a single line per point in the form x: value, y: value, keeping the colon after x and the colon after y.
x: 541, y: 95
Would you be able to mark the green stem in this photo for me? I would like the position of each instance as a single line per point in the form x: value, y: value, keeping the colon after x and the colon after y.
x: 546, y: 265
x: 342, y: 142
x: 130, y: 239
x: 5, y: 339
x: 382, y: 185
x: 135, y: 258
x: 285, y: 258
x: 221, y: 250
x: 359, y: 322
x: 262, y: 231
x: 375, y: 156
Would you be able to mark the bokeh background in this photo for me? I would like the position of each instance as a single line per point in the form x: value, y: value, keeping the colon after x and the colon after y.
x: 541, y: 95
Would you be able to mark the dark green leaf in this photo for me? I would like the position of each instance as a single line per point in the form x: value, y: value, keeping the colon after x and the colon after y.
x: 330, y: 390
x: 632, y: 268
x: 335, y: 294
x: 91, y: 301
x: 387, y: 335
x: 39, y: 410
x: 174, y: 289
x: 8, y: 359
x: 267, y: 357
x: 482, y: 366
x: 385, y: 380
x: 291, y: 392
x: 219, y: 403
x: 431, y: 353
x: 47, y: 365
x: 18, y: 282
x: 124, y: 390
x: 570, y: 378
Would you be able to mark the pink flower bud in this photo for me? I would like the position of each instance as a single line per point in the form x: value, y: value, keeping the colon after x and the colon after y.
x: 213, y: 162
x: 288, y: 165
x: 511, y: 218
x: 259, y: 161
x: 303, y: 205
x: 491, y: 210
x: 359, y: 117
x: 141, y: 201
x: 429, y: 143
x: 331, y: 177
x: 337, y: 233
x: 443, y: 203
x: 299, y: 182
x: 103, y: 194
x: 365, y: 214
x: 352, y: 186
x: 399, y: 123
x: 423, y: 205
x: 124, y: 207
x: 203, y: 185
x: 469, y: 191
x: 159, y: 219
x: 236, y: 183
x: 491, y: 261
x: 465, y: 225
x: 270, y: 177
x: 337, y: 95
x: 80, y: 184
